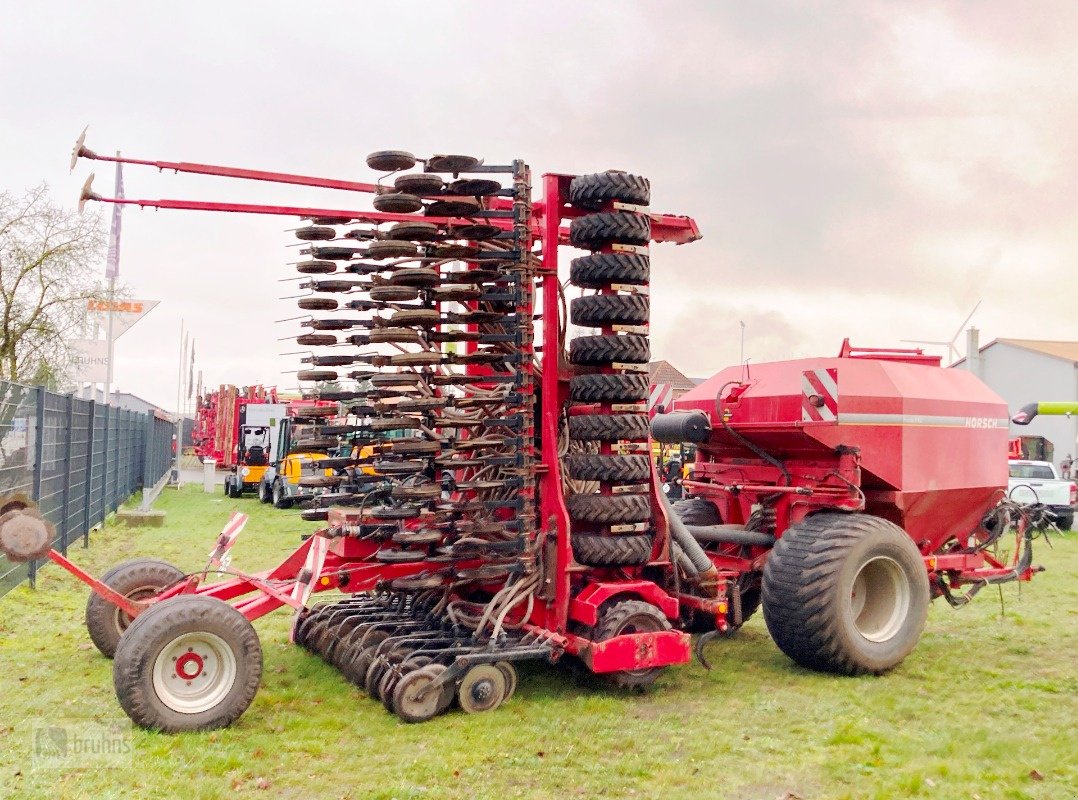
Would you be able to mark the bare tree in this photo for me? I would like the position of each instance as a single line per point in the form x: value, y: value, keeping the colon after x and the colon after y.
x: 48, y: 259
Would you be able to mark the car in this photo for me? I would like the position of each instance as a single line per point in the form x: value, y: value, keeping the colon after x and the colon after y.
x: 1032, y: 482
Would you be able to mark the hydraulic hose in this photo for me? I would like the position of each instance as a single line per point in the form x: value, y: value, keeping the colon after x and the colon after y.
x: 689, y: 546
x: 730, y: 534
x: 766, y: 456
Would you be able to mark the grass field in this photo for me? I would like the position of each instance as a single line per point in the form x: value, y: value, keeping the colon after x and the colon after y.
x: 984, y: 708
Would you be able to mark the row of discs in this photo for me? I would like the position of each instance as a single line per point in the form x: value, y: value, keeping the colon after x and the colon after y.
x: 608, y: 422
x: 417, y: 327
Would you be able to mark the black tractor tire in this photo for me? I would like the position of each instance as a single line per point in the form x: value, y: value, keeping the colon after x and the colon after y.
x: 609, y: 427
x: 280, y: 499
x: 630, y: 616
x: 137, y: 579
x: 596, y: 231
x: 593, y: 351
x: 265, y: 492
x: 233, y: 486
x: 845, y: 593
x: 591, y: 191
x: 599, y: 270
x: 609, y: 388
x: 1064, y: 520
x: 604, y: 310
x: 596, y: 550
x: 696, y: 511
x: 613, y: 469
x: 146, y: 644
x: 609, y: 509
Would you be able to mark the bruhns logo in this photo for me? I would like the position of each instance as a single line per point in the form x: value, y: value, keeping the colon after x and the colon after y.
x: 81, y: 746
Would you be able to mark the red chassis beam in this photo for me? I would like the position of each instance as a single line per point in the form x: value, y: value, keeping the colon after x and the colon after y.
x: 273, y: 586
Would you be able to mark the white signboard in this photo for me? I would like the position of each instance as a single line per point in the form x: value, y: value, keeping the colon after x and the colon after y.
x: 90, y: 359
x: 125, y: 313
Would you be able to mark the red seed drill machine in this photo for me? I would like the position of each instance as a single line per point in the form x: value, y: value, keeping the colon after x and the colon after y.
x: 507, y: 508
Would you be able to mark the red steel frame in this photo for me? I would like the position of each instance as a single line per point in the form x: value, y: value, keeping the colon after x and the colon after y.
x: 345, y: 563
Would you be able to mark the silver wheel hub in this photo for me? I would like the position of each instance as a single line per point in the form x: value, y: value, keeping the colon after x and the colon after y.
x: 194, y: 672
x: 879, y: 599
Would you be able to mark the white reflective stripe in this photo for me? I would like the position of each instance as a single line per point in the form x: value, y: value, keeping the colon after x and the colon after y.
x: 826, y: 414
x: 828, y: 383
x: 847, y: 418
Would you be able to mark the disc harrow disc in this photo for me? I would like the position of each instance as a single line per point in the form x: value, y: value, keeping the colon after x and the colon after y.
x: 398, y: 203
x: 316, y: 339
x: 315, y: 233
x: 25, y: 534
x: 453, y: 207
x: 413, y: 700
x: 452, y: 163
x: 316, y: 267
x: 391, y: 160
x: 414, y: 231
x: 420, y: 183
x: 317, y: 304
x: 482, y: 689
x: 475, y: 187
x: 391, y: 248
x: 477, y: 232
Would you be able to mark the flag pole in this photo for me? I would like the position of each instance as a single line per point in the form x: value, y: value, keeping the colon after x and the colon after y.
x: 112, y: 269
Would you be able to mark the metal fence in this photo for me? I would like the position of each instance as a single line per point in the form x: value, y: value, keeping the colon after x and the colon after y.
x: 77, y: 459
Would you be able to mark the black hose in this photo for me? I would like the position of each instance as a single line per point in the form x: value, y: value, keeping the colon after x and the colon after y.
x: 770, y: 459
x: 694, y: 553
x: 730, y: 534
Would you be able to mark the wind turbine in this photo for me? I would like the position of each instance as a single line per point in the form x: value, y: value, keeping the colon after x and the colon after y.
x: 952, y: 351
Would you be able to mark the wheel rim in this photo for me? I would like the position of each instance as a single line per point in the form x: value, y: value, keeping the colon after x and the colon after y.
x: 879, y: 599
x: 194, y: 672
x: 121, y: 617
x: 406, y: 697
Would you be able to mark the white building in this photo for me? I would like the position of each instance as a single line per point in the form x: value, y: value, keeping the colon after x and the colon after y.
x: 1023, y: 371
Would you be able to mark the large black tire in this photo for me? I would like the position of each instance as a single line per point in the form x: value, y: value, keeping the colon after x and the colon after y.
x: 696, y: 511
x: 601, y: 350
x: 280, y: 499
x: 845, y: 593
x: 630, y: 616
x: 591, y: 191
x: 609, y: 427
x: 614, y: 469
x: 137, y: 579
x: 599, y: 270
x: 1064, y: 520
x: 597, y: 550
x: 596, y: 231
x: 153, y: 689
x: 233, y: 486
x: 609, y: 388
x: 604, y: 310
x: 265, y: 493
x: 609, y: 509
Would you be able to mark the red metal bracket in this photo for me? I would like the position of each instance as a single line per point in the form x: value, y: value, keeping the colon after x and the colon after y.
x: 585, y: 606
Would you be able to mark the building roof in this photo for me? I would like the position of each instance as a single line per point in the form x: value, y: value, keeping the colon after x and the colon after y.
x: 1065, y: 351
x: 665, y: 372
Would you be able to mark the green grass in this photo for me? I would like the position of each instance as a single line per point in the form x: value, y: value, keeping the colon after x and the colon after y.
x: 981, y: 704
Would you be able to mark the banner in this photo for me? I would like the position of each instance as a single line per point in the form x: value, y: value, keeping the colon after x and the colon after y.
x: 125, y: 313
x: 89, y: 360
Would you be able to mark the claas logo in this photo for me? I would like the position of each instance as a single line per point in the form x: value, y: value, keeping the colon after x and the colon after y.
x: 132, y: 306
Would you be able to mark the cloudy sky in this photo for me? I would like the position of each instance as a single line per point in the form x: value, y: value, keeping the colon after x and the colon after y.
x: 862, y: 169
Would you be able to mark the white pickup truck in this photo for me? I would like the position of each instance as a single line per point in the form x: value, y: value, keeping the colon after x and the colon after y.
x: 1038, y: 482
